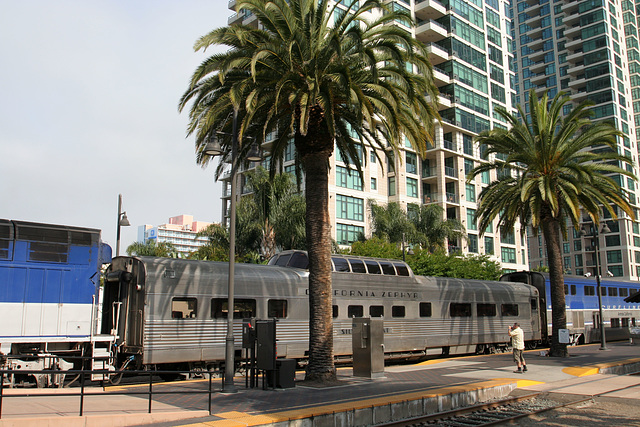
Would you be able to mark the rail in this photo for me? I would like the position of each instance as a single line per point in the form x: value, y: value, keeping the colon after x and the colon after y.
x: 82, y: 373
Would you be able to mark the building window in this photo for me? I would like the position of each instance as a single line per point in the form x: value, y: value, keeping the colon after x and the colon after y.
x: 508, y: 255
x: 392, y: 186
x: 471, y: 192
x: 412, y: 187
x: 374, y: 184
x: 473, y: 243
x: 347, y: 234
x: 488, y: 245
x: 348, y: 178
x: 411, y: 163
x: 349, y: 208
x: 471, y: 219
x: 614, y: 257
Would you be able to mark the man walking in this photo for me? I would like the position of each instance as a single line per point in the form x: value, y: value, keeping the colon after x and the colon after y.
x: 517, y: 337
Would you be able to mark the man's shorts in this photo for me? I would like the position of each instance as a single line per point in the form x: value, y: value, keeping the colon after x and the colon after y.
x: 518, y: 356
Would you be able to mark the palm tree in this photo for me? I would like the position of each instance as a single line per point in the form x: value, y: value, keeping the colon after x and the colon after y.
x: 217, y: 249
x: 275, y: 209
x: 324, y: 76
x: 432, y: 230
x: 546, y: 173
x: 391, y: 222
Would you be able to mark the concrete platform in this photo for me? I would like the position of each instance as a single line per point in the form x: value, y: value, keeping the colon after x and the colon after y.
x: 405, y: 391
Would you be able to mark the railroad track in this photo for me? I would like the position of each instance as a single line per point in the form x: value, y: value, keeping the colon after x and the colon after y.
x: 487, y: 414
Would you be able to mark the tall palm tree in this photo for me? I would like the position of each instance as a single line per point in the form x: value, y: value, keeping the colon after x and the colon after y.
x: 546, y: 173
x: 152, y: 248
x: 325, y: 76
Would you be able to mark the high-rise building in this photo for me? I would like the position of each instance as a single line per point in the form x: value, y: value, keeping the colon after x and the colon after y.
x: 181, y: 231
x: 589, y: 50
x: 469, y: 44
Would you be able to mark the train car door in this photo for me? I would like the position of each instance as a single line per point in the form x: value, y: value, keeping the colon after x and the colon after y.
x: 123, y: 306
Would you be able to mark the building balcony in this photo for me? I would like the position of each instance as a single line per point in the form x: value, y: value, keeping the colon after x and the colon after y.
x: 450, y: 172
x: 576, y: 70
x: 573, y: 31
x: 537, y: 67
x: 569, y: 8
x: 539, y: 79
x: 444, y: 101
x: 441, y: 77
x: 571, y: 19
x: 536, y: 55
x: 437, y: 54
x: 574, y: 43
x: 577, y: 82
x: 575, y: 57
x: 577, y: 96
x: 533, y: 20
x: 431, y: 31
x: 430, y: 172
x: 429, y: 9
x: 430, y: 198
x: 232, y: 5
x: 451, y: 198
x: 535, y: 44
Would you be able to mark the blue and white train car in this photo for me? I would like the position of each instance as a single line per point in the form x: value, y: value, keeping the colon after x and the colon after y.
x: 49, y: 279
x: 581, y: 296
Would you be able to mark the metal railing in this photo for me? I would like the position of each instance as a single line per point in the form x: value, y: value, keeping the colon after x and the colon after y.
x: 82, y: 373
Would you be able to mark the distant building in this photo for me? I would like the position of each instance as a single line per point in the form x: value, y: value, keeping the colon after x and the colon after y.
x: 180, y: 231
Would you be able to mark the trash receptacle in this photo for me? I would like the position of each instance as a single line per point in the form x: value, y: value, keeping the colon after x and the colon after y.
x: 286, y: 373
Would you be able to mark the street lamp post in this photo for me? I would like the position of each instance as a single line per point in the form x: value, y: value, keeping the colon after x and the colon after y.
x: 123, y: 221
x: 596, y: 239
x: 212, y: 148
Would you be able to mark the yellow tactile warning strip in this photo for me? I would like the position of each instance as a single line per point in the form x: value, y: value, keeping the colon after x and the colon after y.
x: 583, y: 371
x: 234, y: 419
x: 520, y: 383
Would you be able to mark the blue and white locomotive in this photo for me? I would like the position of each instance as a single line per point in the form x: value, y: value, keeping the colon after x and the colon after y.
x: 49, y: 282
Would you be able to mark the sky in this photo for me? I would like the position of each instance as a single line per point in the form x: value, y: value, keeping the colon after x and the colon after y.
x: 89, y: 91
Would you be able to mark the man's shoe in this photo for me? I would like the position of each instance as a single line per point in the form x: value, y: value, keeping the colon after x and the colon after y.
x: 518, y: 371
x: 524, y: 369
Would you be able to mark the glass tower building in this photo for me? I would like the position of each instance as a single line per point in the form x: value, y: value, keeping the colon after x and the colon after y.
x: 587, y: 49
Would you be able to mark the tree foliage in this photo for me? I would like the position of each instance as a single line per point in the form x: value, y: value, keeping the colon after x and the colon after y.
x: 439, y: 264
x: 376, y: 247
x: 152, y: 248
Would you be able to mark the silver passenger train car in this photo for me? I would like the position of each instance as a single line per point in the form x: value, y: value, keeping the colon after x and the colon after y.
x: 171, y: 313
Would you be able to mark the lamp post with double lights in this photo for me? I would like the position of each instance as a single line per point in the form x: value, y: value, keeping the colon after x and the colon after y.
x: 123, y: 221
x: 213, y: 148
x: 595, y: 235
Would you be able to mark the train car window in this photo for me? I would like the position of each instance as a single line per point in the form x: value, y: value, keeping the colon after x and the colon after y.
x: 457, y: 309
x: 355, y: 311
x: 509, y: 309
x: 486, y: 310
x: 335, y: 311
x: 566, y: 289
x: 242, y: 308
x: 632, y: 291
x: 376, y: 311
x: 534, y: 304
x: 615, y: 322
x: 277, y: 308
x: 340, y: 264
x: 589, y: 291
x: 573, y: 289
x: 603, y: 291
x: 357, y: 266
x: 624, y: 292
x: 387, y: 268
x: 373, y: 267
x: 613, y: 292
x: 184, y: 308
x: 425, y: 309
x: 401, y: 269
x: 299, y: 260
x: 398, y: 311
x: 283, y: 260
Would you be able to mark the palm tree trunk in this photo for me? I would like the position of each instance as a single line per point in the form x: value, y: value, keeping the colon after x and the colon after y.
x: 551, y: 232
x: 316, y: 167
